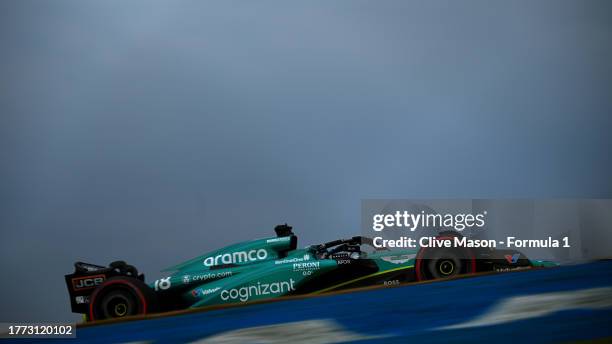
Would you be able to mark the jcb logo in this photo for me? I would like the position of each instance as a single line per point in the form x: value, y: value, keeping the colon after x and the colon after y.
x: 81, y: 283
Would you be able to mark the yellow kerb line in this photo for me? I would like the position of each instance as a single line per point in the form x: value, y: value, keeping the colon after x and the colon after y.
x: 360, y: 278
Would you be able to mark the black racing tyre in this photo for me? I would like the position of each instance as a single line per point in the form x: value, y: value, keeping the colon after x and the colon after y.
x: 439, y: 263
x: 445, y: 263
x: 120, y: 297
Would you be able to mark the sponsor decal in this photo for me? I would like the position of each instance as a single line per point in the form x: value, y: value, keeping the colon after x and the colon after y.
x: 186, y: 279
x: 392, y: 283
x: 306, y: 268
x: 512, y: 259
x: 293, y: 260
x: 81, y: 299
x: 343, y: 261
x: 163, y: 284
x: 510, y: 268
x: 281, y: 239
x: 87, y: 282
x: 245, y: 293
x: 398, y: 259
x: 209, y: 276
x: 210, y: 291
x: 236, y: 257
x: 89, y: 267
x: 202, y: 292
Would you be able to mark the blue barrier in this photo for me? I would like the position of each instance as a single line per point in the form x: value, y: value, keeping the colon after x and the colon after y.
x: 551, y: 305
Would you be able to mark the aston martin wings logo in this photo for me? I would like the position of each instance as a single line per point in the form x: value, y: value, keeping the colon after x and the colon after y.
x: 398, y: 259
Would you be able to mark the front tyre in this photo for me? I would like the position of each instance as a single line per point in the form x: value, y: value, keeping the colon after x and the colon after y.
x: 440, y: 263
x: 120, y: 297
x: 444, y: 264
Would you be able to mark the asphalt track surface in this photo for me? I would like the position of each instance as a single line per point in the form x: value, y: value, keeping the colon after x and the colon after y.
x: 565, y: 304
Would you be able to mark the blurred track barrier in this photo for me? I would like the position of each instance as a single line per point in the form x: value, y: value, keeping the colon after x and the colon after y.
x: 563, y: 304
x: 308, y: 331
x: 538, y: 305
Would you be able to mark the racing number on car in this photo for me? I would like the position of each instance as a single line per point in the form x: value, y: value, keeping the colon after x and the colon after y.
x: 162, y: 284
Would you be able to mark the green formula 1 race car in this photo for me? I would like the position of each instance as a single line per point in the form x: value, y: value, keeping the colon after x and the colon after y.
x: 271, y: 268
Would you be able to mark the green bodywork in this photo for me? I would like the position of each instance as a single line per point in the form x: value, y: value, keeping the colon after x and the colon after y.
x: 273, y: 267
x: 267, y: 268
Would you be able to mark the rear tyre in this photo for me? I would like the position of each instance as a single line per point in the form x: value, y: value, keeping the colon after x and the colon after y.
x: 120, y: 297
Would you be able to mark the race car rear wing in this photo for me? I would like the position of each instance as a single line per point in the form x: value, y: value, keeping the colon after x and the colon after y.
x: 87, y: 277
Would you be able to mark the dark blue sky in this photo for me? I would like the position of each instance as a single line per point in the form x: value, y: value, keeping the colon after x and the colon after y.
x: 153, y: 131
